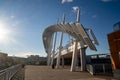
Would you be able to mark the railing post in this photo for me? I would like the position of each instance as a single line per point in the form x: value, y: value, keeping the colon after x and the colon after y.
x: 104, y: 68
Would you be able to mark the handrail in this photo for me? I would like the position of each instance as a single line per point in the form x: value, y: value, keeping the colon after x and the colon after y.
x: 8, y: 73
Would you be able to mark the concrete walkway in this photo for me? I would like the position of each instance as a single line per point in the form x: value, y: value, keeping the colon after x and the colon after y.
x: 46, y: 73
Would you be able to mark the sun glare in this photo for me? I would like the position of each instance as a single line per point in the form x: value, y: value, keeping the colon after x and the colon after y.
x: 4, y: 33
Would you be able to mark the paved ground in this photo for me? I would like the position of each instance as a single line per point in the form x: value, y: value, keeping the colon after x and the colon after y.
x: 46, y: 73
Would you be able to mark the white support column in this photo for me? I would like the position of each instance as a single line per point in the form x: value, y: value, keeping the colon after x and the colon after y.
x: 61, y: 39
x: 77, y: 62
x: 48, y: 59
x: 49, y: 52
x: 59, y: 54
x: 63, y: 61
x: 53, y: 52
x: 74, y: 57
x: 49, y: 56
x: 52, y: 57
x: 83, y: 58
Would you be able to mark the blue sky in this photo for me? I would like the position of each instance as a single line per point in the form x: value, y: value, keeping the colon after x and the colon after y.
x: 22, y: 22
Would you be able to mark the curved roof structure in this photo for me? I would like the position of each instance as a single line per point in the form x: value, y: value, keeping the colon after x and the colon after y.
x: 76, y: 30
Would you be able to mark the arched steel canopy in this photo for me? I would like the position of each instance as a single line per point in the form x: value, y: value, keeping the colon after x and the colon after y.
x: 74, y: 29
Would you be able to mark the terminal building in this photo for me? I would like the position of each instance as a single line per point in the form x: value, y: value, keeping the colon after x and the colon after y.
x: 114, y: 43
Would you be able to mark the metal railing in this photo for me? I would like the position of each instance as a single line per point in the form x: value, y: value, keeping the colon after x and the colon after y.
x: 99, y: 68
x: 8, y: 73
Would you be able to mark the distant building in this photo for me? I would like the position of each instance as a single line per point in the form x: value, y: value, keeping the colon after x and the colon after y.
x: 3, y: 59
x: 16, y: 60
x: 3, y: 56
x: 36, y: 60
x: 7, y: 61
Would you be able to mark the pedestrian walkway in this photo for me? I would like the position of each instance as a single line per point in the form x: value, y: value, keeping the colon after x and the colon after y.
x: 47, y: 73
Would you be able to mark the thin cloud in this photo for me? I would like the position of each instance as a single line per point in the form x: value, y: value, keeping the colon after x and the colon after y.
x: 66, y: 1
x: 94, y: 16
x: 12, y: 17
x: 75, y: 8
x: 106, y: 0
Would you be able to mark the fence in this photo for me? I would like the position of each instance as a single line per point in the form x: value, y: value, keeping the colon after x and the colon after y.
x: 8, y: 73
x: 99, y: 69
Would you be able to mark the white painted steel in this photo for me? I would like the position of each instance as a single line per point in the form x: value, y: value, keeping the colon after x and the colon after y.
x: 77, y: 31
x: 59, y: 54
x: 53, y: 51
x: 74, y: 57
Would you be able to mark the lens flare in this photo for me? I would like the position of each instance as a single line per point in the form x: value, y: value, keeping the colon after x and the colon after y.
x: 4, y: 33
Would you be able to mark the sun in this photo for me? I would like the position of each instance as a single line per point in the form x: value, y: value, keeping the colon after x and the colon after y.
x: 4, y: 32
